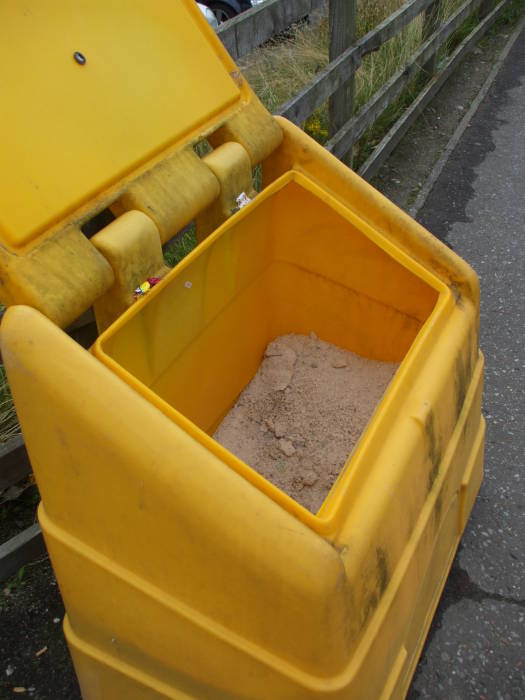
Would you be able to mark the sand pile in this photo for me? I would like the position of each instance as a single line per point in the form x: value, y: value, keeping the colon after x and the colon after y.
x: 301, y: 415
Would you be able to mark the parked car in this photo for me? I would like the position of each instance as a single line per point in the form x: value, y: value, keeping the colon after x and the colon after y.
x: 226, y: 9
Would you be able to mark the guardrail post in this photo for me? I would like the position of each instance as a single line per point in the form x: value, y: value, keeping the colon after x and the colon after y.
x: 342, y: 16
x: 433, y: 16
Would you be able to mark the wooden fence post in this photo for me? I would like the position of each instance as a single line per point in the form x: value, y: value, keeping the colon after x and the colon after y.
x: 342, y: 16
x: 431, y: 23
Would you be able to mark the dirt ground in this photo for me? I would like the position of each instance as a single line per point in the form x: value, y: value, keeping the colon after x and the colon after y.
x: 33, y: 651
x: 30, y: 604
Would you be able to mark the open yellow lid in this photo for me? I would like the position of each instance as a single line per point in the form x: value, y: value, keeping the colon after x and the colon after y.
x: 154, y: 75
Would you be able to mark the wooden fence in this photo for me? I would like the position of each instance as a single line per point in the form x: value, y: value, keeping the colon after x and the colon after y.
x: 335, y: 83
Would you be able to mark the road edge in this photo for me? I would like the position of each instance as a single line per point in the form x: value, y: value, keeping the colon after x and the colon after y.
x: 436, y: 171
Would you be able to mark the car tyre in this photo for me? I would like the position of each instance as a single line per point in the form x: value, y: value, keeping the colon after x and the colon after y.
x: 221, y: 11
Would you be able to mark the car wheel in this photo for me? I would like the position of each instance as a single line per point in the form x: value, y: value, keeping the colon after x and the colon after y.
x: 221, y: 11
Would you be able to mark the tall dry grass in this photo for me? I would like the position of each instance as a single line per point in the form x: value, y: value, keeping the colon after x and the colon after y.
x: 9, y: 427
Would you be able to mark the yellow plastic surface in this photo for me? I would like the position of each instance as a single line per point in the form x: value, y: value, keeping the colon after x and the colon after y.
x: 184, y: 573
x: 70, y: 130
x: 230, y: 163
x: 172, y: 192
x: 61, y: 277
x: 131, y: 244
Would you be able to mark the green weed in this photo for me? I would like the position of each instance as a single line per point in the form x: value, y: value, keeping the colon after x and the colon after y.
x: 180, y: 246
x: 16, y: 582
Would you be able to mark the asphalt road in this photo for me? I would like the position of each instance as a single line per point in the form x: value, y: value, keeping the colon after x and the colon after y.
x: 476, y: 646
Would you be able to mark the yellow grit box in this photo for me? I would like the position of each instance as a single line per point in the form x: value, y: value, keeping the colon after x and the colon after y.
x: 186, y: 573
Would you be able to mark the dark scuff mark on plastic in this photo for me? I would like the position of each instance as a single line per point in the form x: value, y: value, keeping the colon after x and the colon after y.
x: 382, y: 569
x: 434, y: 449
x: 462, y: 376
x: 455, y: 288
x: 382, y: 578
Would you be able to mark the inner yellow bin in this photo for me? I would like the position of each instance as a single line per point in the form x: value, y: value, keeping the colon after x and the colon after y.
x: 294, y: 261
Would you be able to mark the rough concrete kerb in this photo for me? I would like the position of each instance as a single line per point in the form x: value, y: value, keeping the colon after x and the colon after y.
x: 463, y: 125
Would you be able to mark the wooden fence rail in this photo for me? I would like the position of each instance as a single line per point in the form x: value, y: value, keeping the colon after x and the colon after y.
x: 250, y: 29
x: 16, y: 552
